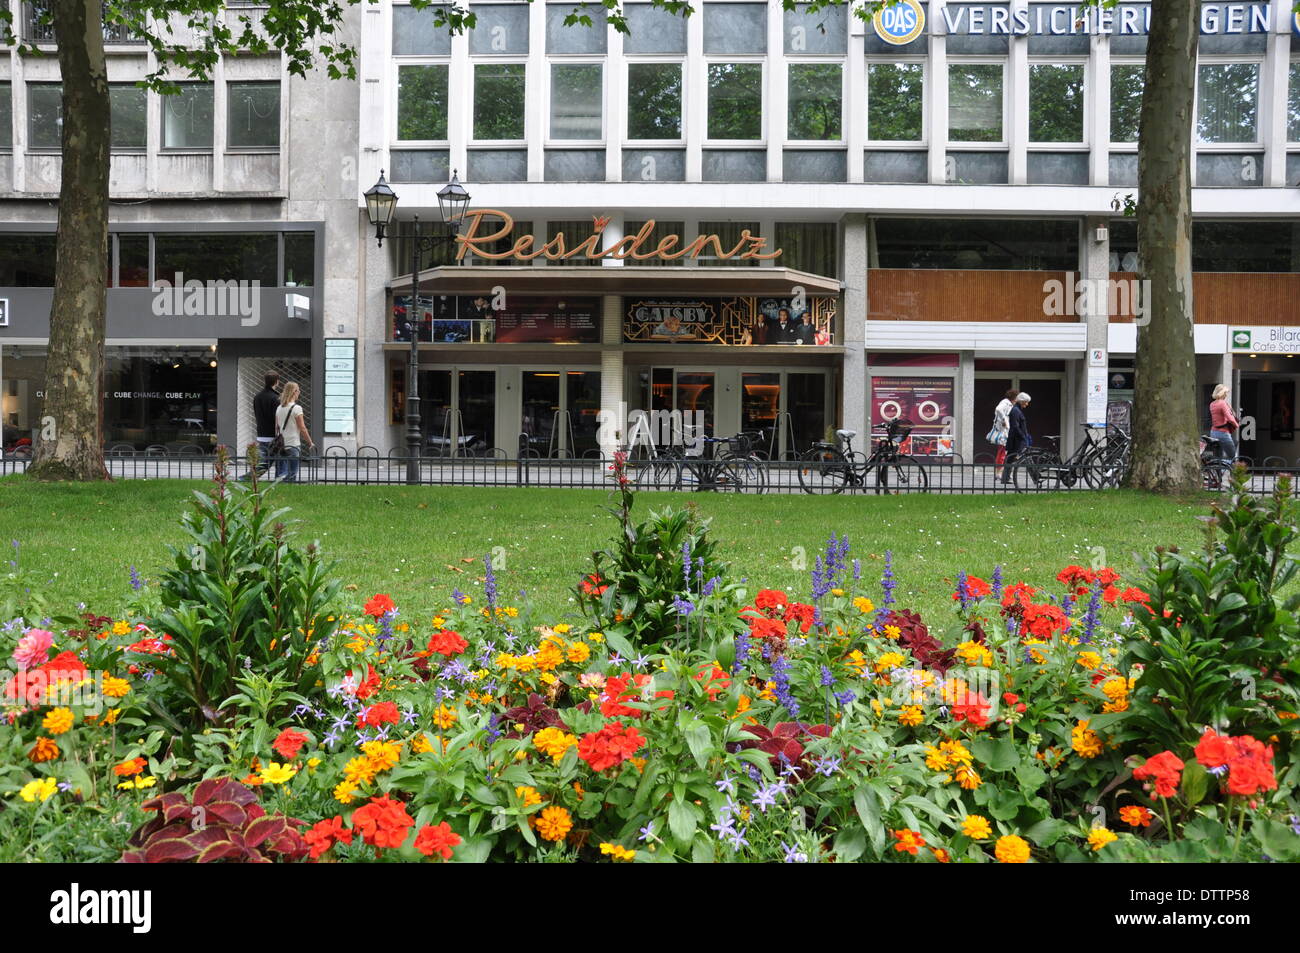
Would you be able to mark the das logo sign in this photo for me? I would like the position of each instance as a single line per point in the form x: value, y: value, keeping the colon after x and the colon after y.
x: 900, y: 23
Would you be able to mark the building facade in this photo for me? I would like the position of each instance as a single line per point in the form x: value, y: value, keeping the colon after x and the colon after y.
x: 945, y: 186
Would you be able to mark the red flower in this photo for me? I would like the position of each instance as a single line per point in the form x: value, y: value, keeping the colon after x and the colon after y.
x: 376, y: 715
x: 610, y: 746
x: 1111, y: 595
x: 761, y: 628
x: 1166, y: 769
x: 718, y: 680
x: 1010, y: 698
x: 324, y: 834
x: 383, y: 822
x: 619, y: 689
x: 1042, y: 621
x: 439, y: 839
x: 1107, y: 576
x: 447, y: 643
x: 288, y: 743
x: 972, y: 708
x: 1134, y: 594
x: 367, y: 687
x: 770, y: 599
x: 1250, y: 767
x: 1213, y: 750
x: 593, y: 585
x: 976, y: 588
x: 64, y: 667
x: 378, y: 605
x: 1017, y: 595
x: 802, y: 613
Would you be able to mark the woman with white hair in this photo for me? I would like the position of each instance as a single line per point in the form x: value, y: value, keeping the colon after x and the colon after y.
x: 1017, y: 434
x: 1223, y: 424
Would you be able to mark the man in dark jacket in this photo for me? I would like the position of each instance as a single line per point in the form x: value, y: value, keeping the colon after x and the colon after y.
x: 265, y: 403
x: 1017, y: 434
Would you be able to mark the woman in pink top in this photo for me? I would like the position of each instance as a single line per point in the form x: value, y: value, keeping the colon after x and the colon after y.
x: 1223, y: 425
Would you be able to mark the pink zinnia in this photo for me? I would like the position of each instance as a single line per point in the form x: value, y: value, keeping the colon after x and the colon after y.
x: 33, y: 648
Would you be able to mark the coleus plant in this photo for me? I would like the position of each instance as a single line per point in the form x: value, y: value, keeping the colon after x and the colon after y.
x: 220, y: 821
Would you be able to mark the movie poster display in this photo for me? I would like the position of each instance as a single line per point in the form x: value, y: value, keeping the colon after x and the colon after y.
x: 457, y: 319
x: 926, y: 401
x: 742, y: 321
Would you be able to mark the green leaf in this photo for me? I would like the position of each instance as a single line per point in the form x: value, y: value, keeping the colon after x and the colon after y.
x: 1196, y: 782
x: 702, y: 851
x: 997, y: 754
x: 1031, y: 777
x: 1006, y: 804
x: 697, y: 739
x: 868, y: 808
x: 1047, y: 832
x: 1278, y: 841
x: 849, y: 845
x: 683, y: 817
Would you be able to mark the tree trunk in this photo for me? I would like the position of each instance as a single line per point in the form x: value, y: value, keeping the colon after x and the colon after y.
x: 1165, y: 419
x: 70, y: 445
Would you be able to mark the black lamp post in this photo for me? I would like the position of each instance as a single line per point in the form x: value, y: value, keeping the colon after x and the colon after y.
x: 381, y: 203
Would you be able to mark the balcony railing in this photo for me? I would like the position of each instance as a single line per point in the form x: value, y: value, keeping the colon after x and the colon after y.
x: 36, y: 32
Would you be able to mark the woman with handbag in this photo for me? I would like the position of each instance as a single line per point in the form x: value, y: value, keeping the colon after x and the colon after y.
x: 1001, y: 428
x: 290, y: 434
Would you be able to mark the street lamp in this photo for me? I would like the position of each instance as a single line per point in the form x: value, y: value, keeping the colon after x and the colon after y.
x: 381, y: 203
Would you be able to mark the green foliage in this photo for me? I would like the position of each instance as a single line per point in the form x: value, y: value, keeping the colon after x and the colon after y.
x: 1221, y: 637
x: 240, y: 594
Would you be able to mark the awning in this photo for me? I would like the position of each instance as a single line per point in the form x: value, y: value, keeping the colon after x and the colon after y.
x: 605, y: 279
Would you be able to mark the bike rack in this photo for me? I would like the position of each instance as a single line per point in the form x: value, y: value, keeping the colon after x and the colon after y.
x: 555, y: 450
x: 786, y: 421
x: 453, y: 425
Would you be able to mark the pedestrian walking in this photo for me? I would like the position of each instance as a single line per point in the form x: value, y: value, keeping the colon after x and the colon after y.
x: 265, y: 403
x: 997, y: 435
x: 291, y: 428
x: 1223, y: 423
x: 1018, y: 440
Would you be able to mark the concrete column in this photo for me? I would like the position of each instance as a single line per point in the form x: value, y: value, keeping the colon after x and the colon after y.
x: 1094, y: 267
x: 1097, y: 103
x: 1016, y: 105
x: 613, y: 409
x: 1273, y: 80
x: 937, y: 81
x: 775, y: 91
x: 855, y: 99
x: 535, y: 116
x: 853, y: 408
x: 695, y: 90
x: 964, y: 426
x: 615, y: 105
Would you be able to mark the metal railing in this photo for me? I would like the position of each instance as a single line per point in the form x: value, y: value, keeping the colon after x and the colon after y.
x: 37, y: 32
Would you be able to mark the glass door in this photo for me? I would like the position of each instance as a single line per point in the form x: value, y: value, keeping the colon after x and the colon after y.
x: 541, y: 402
x: 806, y: 404
x: 582, y: 401
x: 457, y: 410
x: 476, y: 395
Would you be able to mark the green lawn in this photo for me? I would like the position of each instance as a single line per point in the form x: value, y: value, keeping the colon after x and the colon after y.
x: 79, y: 541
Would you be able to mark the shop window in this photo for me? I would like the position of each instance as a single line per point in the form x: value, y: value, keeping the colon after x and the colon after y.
x: 418, y: 33
x: 808, y: 246
x: 44, y: 116
x: 1227, y: 102
x: 253, y: 115
x: 6, y: 117
x: 27, y: 261
x: 1056, y: 102
x: 422, y: 102
x: 654, y: 101
x: 975, y: 102
x: 133, y: 261
x: 187, y: 117
x: 895, y: 102
x: 217, y: 257
x: 299, y: 259
x: 1257, y: 246
x: 577, y: 94
x: 499, y: 100
x: 814, y: 95
x: 1125, y: 101
x: 127, y: 107
x: 735, y: 101
x: 1020, y: 245
x: 1292, y: 107
x: 164, y: 396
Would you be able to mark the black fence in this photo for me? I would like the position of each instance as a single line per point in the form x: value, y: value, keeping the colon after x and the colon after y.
x: 495, y: 468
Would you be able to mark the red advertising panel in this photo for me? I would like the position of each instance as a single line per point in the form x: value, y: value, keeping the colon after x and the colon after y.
x: 925, y: 401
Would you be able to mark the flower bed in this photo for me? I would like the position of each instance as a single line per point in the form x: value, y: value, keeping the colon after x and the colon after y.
x: 686, y: 716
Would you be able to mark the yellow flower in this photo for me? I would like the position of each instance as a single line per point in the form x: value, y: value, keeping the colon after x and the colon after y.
x: 444, y: 717
x: 110, y: 716
x: 57, y: 720
x: 911, y: 715
x: 967, y: 778
x: 312, y: 764
x: 617, y: 852
x: 528, y: 795
x: 276, y: 773
x: 1084, y: 741
x: 1012, y: 850
x: 563, y: 628
x: 1099, y: 837
x: 382, y: 755
x: 889, y: 661
x: 975, y: 654
x: 345, y: 791
x: 121, y: 628
x: 892, y: 632
x: 578, y: 652
x: 554, y: 742
x: 768, y: 694
x: 1089, y: 660
x: 554, y: 823
x: 955, y: 752
x: 359, y: 771
x: 856, y: 661
x: 358, y: 644
x: 420, y: 744
x: 875, y: 705
x: 138, y: 784
x: 976, y: 827
x: 465, y: 600
x: 935, y: 759
x: 549, y: 656
x: 115, y: 687
x: 595, y: 637
x: 42, y: 788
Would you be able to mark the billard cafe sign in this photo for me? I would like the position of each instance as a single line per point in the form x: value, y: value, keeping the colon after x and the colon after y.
x: 902, y: 22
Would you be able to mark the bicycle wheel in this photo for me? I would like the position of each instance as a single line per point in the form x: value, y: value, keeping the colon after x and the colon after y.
x: 1034, y: 470
x: 752, y: 470
x: 724, y: 476
x: 1214, y: 472
x: 824, y: 470
x: 902, y: 474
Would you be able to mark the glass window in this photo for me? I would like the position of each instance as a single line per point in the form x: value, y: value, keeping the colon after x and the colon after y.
x: 217, y: 257
x: 656, y: 235
x: 574, y: 28
x: 1227, y: 97
x: 127, y: 105
x: 160, y: 395
x: 654, y: 101
x: 499, y: 29
x: 133, y: 261
x: 1292, y: 107
x: 253, y: 115
x: 27, y: 261
x: 1002, y: 244
x: 1243, y: 246
x: 422, y: 102
x: 735, y: 101
x: 895, y: 101
x: 975, y: 102
x: 653, y: 30
x: 576, y: 100
x: 1056, y: 102
x: 416, y: 32
x: 575, y: 233
x: 1125, y: 102
x: 299, y: 259
x: 807, y: 246
x: 6, y: 118
x: 499, y: 100
x: 735, y: 28
x: 187, y: 117
x: 814, y: 101
x: 728, y: 238
x: 44, y: 116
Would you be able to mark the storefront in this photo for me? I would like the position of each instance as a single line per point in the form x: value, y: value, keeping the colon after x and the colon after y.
x: 1267, y: 372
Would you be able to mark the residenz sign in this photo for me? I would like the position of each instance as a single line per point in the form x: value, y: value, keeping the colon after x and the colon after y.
x: 904, y: 21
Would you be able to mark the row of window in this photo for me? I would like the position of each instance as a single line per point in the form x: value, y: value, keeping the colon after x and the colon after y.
x: 274, y: 259
x: 252, y: 116
x: 1227, y: 102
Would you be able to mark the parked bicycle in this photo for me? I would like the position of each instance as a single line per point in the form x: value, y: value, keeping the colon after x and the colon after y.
x: 718, y: 467
x: 1216, y: 469
x: 825, y: 468
x: 1096, y: 462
